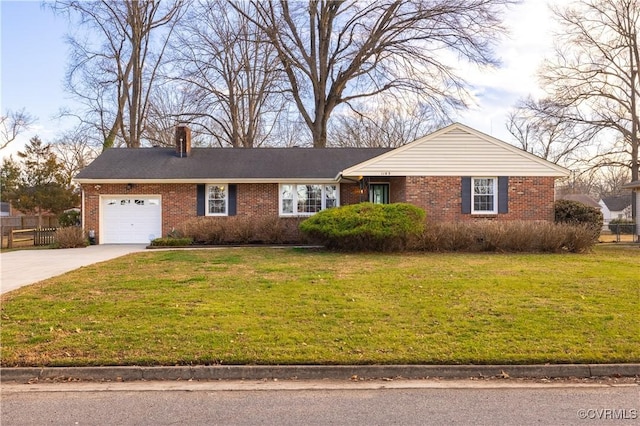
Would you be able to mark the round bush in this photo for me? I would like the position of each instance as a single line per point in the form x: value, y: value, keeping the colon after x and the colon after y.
x: 576, y: 213
x: 366, y: 227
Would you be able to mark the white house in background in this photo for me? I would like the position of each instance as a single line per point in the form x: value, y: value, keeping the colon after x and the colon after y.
x: 635, y: 186
x: 616, y: 207
x: 5, y: 209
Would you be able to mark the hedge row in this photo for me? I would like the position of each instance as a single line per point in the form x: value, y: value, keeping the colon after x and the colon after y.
x: 395, y: 227
x: 241, y: 230
x: 622, y: 226
x: 513, y: 236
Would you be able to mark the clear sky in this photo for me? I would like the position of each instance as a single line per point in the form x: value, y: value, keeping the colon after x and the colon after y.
x: 32, y: 65
x: 34, y: 56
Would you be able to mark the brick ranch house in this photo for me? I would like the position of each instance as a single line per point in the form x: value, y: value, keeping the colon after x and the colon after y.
x: 454, y: 174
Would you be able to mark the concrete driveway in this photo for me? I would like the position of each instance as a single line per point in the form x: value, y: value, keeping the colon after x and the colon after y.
x: 24, y: 267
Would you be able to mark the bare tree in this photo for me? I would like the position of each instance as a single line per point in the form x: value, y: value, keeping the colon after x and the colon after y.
x: 231, y: 72
x: 12, y: 123
x: 170, y: 103
x: 579, y: 182
x: 611, y: 180
x: 539, y: 128
x: 74, y: 150
x: 385, y: 125
x: 335, y: 52
x: 114, y: 63
x: 594, y: 74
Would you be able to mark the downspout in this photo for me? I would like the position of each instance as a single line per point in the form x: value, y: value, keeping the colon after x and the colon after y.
x: 83, y: 210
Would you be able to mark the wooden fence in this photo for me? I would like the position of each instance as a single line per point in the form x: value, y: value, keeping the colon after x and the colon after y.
x: 13, y: 223
x: 35, y: 236
x: 26, y: 222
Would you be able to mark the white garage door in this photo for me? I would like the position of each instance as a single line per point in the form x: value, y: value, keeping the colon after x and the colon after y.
x: 131, y: 219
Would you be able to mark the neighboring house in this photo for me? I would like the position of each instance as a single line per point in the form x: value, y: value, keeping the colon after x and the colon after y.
x: 582, y: 198
x: 5, y: 209
x: 455, y: 174
x: 635, y: 187
x: 616, y: 207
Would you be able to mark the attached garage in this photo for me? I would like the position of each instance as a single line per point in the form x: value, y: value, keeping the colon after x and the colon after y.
x: 130, y: 219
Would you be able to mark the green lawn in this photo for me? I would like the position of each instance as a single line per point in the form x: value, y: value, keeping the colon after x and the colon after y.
x: 288, y: 306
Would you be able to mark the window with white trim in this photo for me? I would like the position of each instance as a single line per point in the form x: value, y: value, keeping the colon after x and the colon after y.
x: 217, y: 200
x: 307, y: 199
x: 484, y: 195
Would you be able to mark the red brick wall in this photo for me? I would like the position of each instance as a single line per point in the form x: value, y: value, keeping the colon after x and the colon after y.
x: 397, y: 190
x: 259, y: 199
x: 530, y: 198
x: 350, y: 193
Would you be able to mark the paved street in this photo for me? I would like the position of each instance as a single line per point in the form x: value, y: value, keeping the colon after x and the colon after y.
x: 321, y: 403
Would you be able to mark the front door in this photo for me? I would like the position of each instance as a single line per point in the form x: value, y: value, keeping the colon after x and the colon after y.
x: 379, y: 193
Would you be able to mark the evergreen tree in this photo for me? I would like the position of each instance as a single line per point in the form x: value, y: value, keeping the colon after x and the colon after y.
x: 9, y: 178
x: 40, y: 185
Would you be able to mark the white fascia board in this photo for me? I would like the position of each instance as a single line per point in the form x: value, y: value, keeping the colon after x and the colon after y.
x: 197, y: 181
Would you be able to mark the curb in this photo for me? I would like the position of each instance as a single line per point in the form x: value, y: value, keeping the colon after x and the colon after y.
x: 314, y: 372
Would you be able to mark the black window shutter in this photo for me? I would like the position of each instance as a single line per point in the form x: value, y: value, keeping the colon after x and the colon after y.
x: 503, y: 194
x: 200, y: 205
x: 466, y: 195
x: 232, y: 200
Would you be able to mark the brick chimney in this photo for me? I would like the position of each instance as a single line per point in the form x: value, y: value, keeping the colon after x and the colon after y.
x: 183, y: 141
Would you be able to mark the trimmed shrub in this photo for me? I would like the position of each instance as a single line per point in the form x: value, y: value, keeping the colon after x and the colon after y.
x: 579, y: 214
x: 576, y: 213
x: 242, y: 230
x: 171, y: 242
x: 203, y: 230
x: 622, y: 226
x: 579, y: 238
x: 70, y: 237
x: 276, y: 230
x: 514, y: 237
x: 366, y: 227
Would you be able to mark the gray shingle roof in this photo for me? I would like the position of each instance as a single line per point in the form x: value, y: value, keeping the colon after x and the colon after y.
x: 226, y: 163
x: 581, y: 198
x: 617, y: 203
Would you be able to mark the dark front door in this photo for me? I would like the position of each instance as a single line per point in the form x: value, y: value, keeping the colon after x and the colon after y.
x: 379, y: 193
